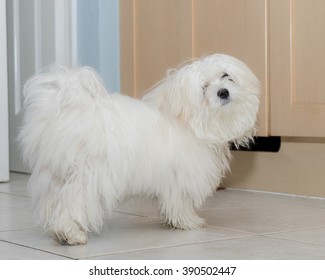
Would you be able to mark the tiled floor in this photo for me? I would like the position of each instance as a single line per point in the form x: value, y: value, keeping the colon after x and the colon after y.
x: 241, y: 225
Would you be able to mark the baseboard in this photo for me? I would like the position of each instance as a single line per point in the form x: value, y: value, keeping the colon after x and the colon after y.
x: 298, y: 168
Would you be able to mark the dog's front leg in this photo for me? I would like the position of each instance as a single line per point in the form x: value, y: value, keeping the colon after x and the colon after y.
x: 179, y: 212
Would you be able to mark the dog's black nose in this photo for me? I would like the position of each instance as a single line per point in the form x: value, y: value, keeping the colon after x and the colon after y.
x: 223, y: 93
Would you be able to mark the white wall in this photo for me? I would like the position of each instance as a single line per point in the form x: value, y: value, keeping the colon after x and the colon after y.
x: 42, y: 32
x: 4, y: 153
x: 98, y: 39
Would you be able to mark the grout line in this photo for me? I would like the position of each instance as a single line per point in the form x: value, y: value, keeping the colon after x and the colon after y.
x: 168, y: 246
x: 267, y: 233
x: 293, y: 230
x: 36, y: 249
x: 19, y: 229
x: 278, y: 194
x: 234, y: 230
x: 14, y: 194
x: 133, y: 214
x: 293, y: 240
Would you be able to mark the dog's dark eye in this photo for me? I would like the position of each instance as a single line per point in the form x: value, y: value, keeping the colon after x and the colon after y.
x: 226, y: 75
x: 204, y: 87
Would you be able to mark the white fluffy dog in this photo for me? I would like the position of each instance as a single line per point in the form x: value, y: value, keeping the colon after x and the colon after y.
x: 87, y: 149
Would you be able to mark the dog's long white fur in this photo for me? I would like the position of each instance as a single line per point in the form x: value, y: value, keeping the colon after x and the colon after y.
x: 87, y: 149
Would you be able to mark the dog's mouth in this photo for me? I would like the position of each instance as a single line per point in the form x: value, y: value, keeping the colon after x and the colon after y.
x: 225, y: 101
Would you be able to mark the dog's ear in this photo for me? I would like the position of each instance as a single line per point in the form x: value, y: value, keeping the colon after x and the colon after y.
x: 179, y: 95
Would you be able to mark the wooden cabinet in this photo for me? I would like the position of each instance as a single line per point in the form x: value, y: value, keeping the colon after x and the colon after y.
x: 297, y: 67
x: 155, y: 35
x: 282, y: 41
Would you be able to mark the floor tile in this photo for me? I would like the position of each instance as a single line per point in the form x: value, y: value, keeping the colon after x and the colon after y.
x: 262, y: 213
x: 120, y: 234
x: 241, y: 225
x: 138, y: 205
x: 16, y: 186
x: 229, y: 198
x: 310, y: 235
x: 16, y: 212
x: 10, y: 251
x: 250, y: 248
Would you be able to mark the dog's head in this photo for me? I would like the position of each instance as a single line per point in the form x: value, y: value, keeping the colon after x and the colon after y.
x: 217, y: 96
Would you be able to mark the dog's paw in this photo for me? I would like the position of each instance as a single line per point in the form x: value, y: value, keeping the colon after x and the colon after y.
x: 187, y: 223
x: 74, y: 236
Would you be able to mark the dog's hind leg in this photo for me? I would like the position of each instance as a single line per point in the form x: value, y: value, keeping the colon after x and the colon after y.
x: 66, y: 215
x: 69, y: 207
x: 71, y: 234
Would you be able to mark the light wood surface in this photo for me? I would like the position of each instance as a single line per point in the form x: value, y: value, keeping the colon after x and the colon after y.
x: 297, y: 67
x: 298, y: 169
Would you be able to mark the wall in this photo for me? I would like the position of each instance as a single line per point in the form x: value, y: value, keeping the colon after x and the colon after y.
x: 98, y: 39
x: 42, y: 32
x: 4, y: 154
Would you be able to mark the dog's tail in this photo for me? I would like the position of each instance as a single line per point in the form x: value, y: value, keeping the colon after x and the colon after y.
x: 52, y: 95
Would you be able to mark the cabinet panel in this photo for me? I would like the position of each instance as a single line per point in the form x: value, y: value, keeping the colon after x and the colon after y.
x: 297, y: 67
x: 309, y: 49
x: 158, y: 37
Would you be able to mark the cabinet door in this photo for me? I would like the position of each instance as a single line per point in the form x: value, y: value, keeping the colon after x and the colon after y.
x: 155, y: 35
x: 160, y: 34
x: 297, y: 67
